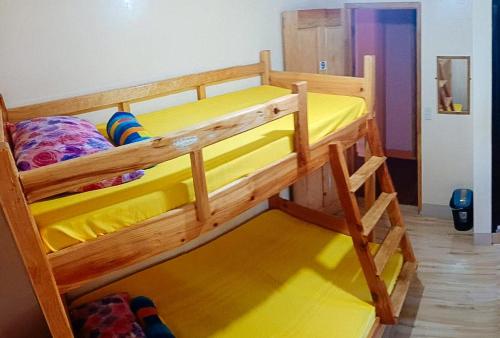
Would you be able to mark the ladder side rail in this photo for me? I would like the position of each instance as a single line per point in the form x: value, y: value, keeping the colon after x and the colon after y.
x: 348, y: 200
x: 387, y: 186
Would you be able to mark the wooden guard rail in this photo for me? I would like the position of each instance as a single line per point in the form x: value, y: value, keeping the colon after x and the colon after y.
x: 57, y: 178
x: 117, y: 97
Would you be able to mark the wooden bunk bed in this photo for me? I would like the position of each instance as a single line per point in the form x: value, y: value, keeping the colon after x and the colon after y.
x: 56, y: 273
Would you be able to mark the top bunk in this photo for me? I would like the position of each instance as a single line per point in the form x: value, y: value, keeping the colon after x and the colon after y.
x: 207, y: 197
x: 224, y: 155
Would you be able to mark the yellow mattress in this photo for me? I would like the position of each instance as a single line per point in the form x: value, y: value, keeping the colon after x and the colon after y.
x: 275, y: 276
x: 66, y: 220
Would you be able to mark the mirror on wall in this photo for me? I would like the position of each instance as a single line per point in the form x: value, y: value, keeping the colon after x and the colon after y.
x: 453, y: 82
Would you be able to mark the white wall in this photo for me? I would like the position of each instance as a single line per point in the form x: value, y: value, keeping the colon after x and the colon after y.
x: 446, y: 139
x: 58, y: 48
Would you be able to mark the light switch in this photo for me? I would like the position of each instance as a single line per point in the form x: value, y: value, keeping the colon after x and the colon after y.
x: 427, y: 113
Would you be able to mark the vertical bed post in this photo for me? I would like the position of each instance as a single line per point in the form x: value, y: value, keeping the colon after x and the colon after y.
x: 27, y: 238
x: 124, y: 106
x: 369, y: 93
x: 301, y: 134
x: 200, y: 186
x: 3, y: 120
x: 201, y: 92
x: 265, y: 58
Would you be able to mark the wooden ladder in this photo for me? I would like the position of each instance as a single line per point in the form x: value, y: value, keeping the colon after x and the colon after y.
x: 361, y: 227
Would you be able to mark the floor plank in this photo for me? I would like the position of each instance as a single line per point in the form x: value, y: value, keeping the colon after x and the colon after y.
x: 456, y: 291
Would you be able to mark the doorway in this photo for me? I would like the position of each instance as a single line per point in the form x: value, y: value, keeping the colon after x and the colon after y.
x: 391, y: 32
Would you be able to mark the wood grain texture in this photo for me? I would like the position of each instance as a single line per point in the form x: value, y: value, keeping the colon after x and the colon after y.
x: 370, y: 81
x: 265, y: 59
x: 289, y: 31
x: 311, y: 37
x: 27, y: 238
x: 319, y: 17
x: 3, y: 120
x: 388, y: 248
x: 308, y: 190
x: 321, y: 83
x: 378, y: 289
x: 322, y: 219
x: 124, y: 106
x: 374, y: 214
x: 387, y: 186
x: 455, y: 294
x: 301, y: 135
x: 201, y: 92
x: 363, y: 87
x: 84, y: 262
x: 367, y: 170
x: 94, y: 102
x: 63, y: 176
x: 200, y: 186
x: 403, y: 283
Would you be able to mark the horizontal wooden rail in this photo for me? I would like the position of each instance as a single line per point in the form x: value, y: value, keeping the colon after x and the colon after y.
x: 366, y: 171
x: 373, y: 216
x: 323, y: 219
x: 321, y: 83
x: 60, y: 177
x: 113, y: 98
x: 86, y: 261
x: 363, y: 87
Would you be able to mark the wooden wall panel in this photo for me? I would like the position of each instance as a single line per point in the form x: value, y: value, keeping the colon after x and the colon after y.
x: 312, y: 36
x: 308, y: 40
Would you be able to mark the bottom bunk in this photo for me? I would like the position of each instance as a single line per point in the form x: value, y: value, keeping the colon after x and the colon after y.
x: 274, y: 276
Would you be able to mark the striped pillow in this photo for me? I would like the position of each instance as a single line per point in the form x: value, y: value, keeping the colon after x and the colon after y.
x: 123, y: 128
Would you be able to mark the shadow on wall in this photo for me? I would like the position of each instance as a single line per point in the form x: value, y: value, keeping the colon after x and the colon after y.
x: 20, y: 313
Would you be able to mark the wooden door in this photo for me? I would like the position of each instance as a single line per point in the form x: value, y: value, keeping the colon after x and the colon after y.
x: 315, y: 42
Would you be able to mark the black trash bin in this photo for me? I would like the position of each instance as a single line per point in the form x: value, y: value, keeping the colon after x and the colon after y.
x: 462, y: 208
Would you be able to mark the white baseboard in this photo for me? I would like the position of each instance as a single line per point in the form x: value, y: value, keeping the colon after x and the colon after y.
x: 437, y: 211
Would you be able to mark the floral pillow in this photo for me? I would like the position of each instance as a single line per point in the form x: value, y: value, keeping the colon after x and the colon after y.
x: 47, y: 140
x: 109, y: 317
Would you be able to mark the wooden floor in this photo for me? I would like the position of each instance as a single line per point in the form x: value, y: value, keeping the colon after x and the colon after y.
x: 457, y: 290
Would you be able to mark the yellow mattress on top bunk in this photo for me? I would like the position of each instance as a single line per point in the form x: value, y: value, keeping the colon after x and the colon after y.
x: 275, y: 276
x: 67, y: 220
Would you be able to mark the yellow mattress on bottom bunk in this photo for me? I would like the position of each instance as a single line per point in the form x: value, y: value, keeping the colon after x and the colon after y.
x: 275, y: 276
x: 66, y: 220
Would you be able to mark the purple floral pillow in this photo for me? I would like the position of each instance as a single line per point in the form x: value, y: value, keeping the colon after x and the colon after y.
x: 109, y: 317
x: 47, y: 140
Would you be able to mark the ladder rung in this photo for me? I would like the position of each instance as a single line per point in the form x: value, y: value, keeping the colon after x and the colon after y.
x: 388, y: 247
x: 371, y: 218
x: 400, y: 291
x: 366, y: 170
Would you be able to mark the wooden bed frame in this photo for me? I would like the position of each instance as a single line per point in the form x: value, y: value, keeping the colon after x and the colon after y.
x: 54, y: 274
